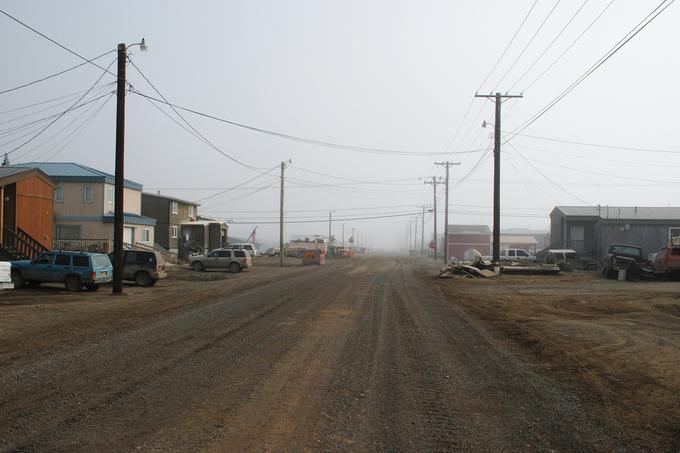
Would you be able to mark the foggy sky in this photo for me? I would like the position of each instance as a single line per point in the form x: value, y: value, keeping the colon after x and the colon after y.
x: 382, y: 74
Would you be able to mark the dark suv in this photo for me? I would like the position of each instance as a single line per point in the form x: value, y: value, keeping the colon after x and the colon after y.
x: 143, y: 267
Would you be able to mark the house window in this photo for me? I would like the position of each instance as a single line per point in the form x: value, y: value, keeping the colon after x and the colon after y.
x: 88, y: 194
x: 68, y: 232
x: 59, y: 194
x: 111, y: 195
x: 173, y: 232
x: 192, y: 211
x: 175, y: 208
x: 146, y: 235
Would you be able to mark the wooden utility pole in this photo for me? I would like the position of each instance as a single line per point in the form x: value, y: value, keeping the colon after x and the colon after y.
x: 119, y: 179
x: 498, y: 99
x: 448, y: 165
x: 330, y: 214
x: 282, y: 251
x: 434, y: 183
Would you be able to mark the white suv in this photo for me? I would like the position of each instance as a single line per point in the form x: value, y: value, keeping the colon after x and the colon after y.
x: 250, y: 247
x: 517, y: 255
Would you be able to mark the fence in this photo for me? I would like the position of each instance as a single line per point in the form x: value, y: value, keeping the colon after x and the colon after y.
x: 84, y: 245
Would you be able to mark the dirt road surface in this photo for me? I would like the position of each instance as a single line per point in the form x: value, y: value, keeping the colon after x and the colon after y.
x: 358, y: 355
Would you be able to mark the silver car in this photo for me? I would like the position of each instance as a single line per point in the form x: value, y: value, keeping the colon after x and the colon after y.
x: 225, y: 259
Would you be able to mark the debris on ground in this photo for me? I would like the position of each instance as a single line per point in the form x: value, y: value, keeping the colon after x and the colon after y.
x: 482, y: 268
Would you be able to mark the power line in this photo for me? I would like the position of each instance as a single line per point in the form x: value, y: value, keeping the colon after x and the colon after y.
x: 512, y: 87
x: 74, y: 106
x: 508, y: 46
x: 229, y: 189
x: 303, y: 139
x: 106, y: 70
x: 528, y: 43
x: 548, y: 179
x: 56, y: 74
x: 202, y: 137
x: 630, y: 35
x: 578, y: 38
x: 77, y: 130
x: 597, y: 145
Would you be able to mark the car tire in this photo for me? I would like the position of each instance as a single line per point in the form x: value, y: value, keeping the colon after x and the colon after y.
x: 197, y: 266
x: 142, y: 279
x: 234, y: 267
x: 93, y: 287
x: 73, y: 284
x: 18, y: 280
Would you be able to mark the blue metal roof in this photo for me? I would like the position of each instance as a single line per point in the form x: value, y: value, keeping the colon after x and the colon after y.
x: 132, y: 219
x: 73, y: 172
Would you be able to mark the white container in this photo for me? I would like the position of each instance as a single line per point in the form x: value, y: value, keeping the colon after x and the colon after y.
x: 622, y: 275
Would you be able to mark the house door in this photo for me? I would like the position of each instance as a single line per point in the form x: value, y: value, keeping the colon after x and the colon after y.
x: 129, y: 235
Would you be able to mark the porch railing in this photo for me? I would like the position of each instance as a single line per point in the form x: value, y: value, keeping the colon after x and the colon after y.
x: 20, y: 244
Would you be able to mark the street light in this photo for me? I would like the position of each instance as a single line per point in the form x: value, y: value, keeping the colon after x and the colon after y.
x: 119, y: 183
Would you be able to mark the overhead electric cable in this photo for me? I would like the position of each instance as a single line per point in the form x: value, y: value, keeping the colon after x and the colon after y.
x: 106, y: 70
x: 549, y: 46
x: 55, y: 74
x: 578, y: 38
x: 630, y: 35
x: 528, y: 43
x: 202, y: 137
x: 597, y: 145
x: 303, y: 139
x: 60, y: 115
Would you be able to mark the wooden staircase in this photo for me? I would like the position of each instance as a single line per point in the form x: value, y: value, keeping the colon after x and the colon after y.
x: 19, y: 245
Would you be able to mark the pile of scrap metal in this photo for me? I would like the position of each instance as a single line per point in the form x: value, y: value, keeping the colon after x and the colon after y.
x: 522, y: 267
x: 478, y: 269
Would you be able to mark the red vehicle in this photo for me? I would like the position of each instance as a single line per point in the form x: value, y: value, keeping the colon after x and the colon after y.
x: 667, y: 261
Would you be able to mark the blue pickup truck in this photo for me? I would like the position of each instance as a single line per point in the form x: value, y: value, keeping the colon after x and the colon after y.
x: 73, y: 269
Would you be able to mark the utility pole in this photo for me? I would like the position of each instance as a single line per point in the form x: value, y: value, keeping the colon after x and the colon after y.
x: 415, y: 234
x: 448, y: 165
x: 434, y: 183
x: 410, y: 222
x: 330, y: 213
x: 422, y: 233
x: 343, y: 236
x: 282, y: 252
x: 119, y: 179
x: 498, y: 99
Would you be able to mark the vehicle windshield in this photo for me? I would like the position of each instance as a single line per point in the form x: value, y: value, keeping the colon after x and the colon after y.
x: 626, y: 250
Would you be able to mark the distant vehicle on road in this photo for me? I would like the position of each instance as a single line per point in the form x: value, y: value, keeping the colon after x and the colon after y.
x: 273, y: 251
x: 74, y: 269
x: 144, y: 267
x: 244, y: 246
x: 227, y: 259
x: 517, y: 255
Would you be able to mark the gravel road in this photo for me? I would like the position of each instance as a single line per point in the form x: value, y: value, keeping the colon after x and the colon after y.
x: 361, y: 355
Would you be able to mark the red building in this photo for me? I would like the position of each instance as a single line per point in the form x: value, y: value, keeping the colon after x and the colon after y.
x: 465, y: 238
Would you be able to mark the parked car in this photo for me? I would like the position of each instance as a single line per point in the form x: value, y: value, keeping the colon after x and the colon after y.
x: 517, y: 255
x: 244, y: 246
x: 564, y: 258
x: 74, y: 269
x: 626, y: 257
x: 233, y: 260
x: 667, y: 261
x: 144, y: 267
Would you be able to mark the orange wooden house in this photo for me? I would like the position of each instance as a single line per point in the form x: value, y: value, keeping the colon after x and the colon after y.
x: 26, y: 212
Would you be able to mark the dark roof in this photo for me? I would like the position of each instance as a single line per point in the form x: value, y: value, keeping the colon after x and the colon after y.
x: 469, y: 229
x: 621, y: 212
x: 178, y: 200
x: 73, y: 172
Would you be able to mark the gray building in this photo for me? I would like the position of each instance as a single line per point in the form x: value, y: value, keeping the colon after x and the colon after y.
x: 589, y: 230
x: 170, y: 213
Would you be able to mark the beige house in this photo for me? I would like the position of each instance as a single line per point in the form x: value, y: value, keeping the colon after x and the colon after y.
x: 84, y: 205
